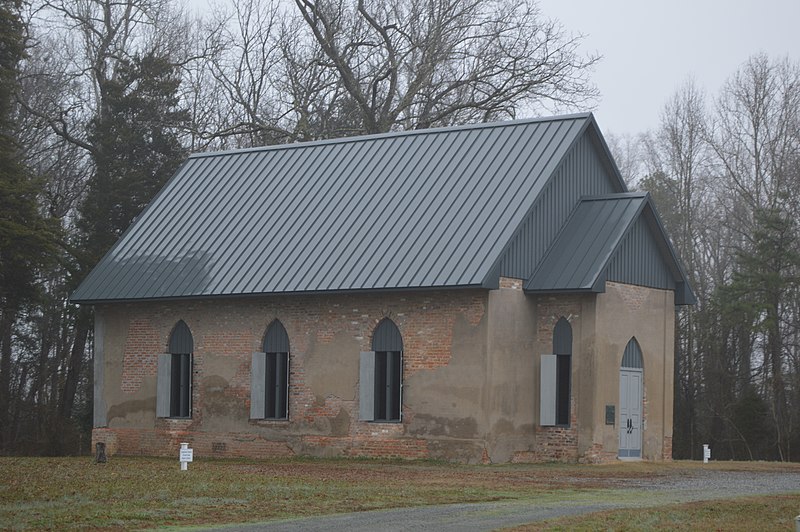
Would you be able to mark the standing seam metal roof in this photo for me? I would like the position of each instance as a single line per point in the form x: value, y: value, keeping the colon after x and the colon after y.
x: 585, y: 244
x: 421, y: 209
x: 579, y: 257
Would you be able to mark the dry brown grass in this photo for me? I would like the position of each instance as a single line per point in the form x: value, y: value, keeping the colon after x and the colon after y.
x: 61, y: 493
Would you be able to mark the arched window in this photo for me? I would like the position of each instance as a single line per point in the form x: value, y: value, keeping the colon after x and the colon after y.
x: 556, y: 378
x: 174, y: 384
x: 562, y: 348
x: 632, y: 357
x: 269, y: 386
x: 381, y: 373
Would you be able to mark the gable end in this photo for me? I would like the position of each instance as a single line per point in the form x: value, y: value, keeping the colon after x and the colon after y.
x: 639, y: 260
x: 586, y: 170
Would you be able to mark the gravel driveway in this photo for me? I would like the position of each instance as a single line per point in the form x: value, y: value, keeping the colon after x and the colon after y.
x: 694, y: 486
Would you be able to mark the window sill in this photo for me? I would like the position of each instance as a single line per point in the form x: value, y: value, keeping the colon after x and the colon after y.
x: 278, y: 420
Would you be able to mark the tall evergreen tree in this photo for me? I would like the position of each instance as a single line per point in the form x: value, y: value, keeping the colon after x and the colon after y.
x: 26, y: 239
x: 136, y: 144
x: 766, y: 277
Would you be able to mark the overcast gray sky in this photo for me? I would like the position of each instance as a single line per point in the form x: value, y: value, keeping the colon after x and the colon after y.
x: 649, y: 48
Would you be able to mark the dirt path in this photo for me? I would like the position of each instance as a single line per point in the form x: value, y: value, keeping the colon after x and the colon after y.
x: 684, y: 486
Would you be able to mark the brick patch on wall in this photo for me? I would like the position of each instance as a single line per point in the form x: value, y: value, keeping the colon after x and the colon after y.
x: 550, y: 310
x: 510, y: 283
x: 140, y: 360
x: 633, y: 296
x: 553, y: 444
x: 558, y: 444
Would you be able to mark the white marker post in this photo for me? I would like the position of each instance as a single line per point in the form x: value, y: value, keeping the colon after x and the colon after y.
x: 706, y: 453
x: 185, y: 456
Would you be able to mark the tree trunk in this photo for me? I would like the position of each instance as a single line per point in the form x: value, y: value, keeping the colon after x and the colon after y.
x: 6, y: 324
x: 75, y: 364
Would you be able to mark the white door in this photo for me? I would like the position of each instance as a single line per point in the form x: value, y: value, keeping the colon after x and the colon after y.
x: 630, y: 413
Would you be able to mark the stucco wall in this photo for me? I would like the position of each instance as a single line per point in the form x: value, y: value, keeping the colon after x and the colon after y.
x: 510, y: 372
x: 444, y: 362
x: 602, y: 324
x: 648, y: 314
x: 470, y: 374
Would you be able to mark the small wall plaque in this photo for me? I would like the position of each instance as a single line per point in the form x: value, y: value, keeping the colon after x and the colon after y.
x: 611, y: 414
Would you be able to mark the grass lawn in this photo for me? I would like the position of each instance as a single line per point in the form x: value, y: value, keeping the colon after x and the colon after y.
x: 125, y: 493
x: 776, y: 512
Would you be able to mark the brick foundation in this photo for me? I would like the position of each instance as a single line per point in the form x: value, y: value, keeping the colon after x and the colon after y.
x: 205, y: 444
x: 597, y: 454
x: 554, y: 444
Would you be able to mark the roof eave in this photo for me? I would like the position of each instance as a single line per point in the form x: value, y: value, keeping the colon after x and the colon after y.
x: 196, y: 297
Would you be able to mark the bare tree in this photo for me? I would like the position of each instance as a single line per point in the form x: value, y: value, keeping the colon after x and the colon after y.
x: 726, y: 182
x: 422, y: 63
x: 627, y: 150
x: 244, y: 67
x: 677, y: 158
x: 755, y: 133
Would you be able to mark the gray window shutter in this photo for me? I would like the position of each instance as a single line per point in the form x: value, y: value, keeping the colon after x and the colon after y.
x: 401, y: 386
x: 547, y: 390
x: 258, y: 380
x: 163, y: 385
x: 366, y: 386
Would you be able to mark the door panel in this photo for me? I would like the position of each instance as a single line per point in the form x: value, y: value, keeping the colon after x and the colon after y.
x: 630, y: 412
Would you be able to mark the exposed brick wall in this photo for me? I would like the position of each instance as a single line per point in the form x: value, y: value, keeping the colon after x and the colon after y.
x: 550, y: 309
x: 633, y: 296
x: 554, y: 444
x: 142, y: 347
x: 205, y: 444
x: 557, y: 443
x: 511, y: 283
x: 228, y: 332
x: 667, y: 452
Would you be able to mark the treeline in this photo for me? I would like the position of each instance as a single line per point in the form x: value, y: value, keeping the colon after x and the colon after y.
x: 724, y: 171
x: 101, y: 100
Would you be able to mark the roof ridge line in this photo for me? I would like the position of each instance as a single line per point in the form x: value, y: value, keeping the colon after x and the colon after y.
x: 391, y: 134
x: 616, y: 196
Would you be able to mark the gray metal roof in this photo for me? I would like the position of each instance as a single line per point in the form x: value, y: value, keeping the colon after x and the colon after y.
x: 421, y: 209
x: 579, y: 258
x: 584, y: 246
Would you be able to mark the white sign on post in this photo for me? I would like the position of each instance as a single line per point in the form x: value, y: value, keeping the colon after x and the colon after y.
x: 185, y: 455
